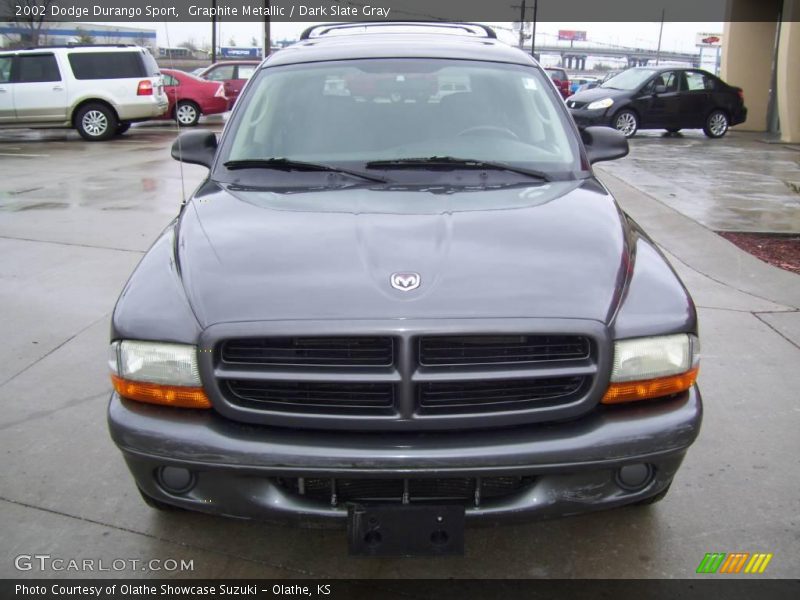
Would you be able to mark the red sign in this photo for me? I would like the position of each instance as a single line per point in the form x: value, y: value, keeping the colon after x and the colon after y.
x: 569, y: 34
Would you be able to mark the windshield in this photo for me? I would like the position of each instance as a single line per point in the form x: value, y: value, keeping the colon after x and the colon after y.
x: 367, y: 111
x: 630, y: 79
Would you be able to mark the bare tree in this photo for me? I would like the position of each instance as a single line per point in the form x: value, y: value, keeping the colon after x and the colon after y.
x: 189, y: 45
x: 32, y: 19
x: 84, y: 37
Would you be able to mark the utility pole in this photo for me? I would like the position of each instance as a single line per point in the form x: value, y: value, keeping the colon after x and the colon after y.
x: 267, y: 32
x: 660, y: 31
x: 213, y: 31
x: 522, y: 25
x: 533, y: 32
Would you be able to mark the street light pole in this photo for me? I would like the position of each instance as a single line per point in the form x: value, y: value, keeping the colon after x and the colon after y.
x: 660, y: 31
x: 522, y: 25
x: 533, y: 32
x: 213, y: 31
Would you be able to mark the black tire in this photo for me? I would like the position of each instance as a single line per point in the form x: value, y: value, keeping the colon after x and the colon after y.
x: 717, y: 124
x: 187, y: 113
x: 626, y: 122
x: 158, y: 504
x: 673, y: 129
x: 122, y: 128
x: 653, y: 499
x: 96, y: 122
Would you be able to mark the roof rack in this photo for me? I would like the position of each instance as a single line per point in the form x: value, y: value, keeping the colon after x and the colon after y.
x: 471, y: 28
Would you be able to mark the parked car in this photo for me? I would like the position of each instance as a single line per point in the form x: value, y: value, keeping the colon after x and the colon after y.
x: 577, y: 83
x: 661, y: 98
x: 98, y: 90
x: 190, y: 97
x: 597, y: 81
x: 561, y: 79
x: 403, y: 315
x: 233, y: 74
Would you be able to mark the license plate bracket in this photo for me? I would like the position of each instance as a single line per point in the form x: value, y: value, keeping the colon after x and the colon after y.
x: 405, y: 529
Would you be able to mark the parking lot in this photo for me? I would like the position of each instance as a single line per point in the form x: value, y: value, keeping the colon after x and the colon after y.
x: 76, y: 217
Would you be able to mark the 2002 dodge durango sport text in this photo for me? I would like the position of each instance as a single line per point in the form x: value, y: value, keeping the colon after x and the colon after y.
x: 402, y: 301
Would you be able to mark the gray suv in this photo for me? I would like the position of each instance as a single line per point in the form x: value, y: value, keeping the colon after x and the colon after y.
x: 403, y: 310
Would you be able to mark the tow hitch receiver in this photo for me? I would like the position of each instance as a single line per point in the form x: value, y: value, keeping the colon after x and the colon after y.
x: 405, y: 530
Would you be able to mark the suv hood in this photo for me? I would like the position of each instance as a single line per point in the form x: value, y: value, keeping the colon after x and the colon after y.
x: 551, y: 250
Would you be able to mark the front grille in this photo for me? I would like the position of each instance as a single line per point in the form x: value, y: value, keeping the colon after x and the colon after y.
x: 437, y: 379
x: 456, y: 489
x: 310, y: 351
x: 500, y: 349
x: 314, y: 396
x: 496, y: 395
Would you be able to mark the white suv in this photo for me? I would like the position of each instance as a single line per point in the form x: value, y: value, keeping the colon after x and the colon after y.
x: 98, y: 90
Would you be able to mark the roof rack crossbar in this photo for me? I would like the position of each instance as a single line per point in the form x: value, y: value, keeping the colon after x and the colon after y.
x: 328, y: 27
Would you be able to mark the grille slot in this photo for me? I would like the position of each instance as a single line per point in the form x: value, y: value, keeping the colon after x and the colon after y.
x: 500, y: 349
x: 310, y: 351
x: 308, y: 396
x: 491, y: 396
x: 456, y: 489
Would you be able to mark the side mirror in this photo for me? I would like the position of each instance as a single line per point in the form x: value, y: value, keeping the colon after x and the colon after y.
x: 659, y: 89
x: 195, y: 147
x: 604, y: 143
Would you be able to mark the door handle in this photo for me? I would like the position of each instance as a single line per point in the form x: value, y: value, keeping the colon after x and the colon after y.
x: 58, y: 88
x: 2, y: 90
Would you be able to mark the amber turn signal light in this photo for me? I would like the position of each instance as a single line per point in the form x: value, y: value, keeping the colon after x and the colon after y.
x: 166, y: 395
x: 630, y: 391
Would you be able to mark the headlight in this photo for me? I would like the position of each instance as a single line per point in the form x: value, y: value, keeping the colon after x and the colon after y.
x: 597, y: 104
x: 653, y: 367
x: 157, y: 373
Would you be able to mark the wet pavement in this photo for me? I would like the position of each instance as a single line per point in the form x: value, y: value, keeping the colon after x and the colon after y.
x: 737, y: 183
x: 75, y: 218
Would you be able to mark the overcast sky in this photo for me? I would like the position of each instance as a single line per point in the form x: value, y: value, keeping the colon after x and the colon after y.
x: 678, y: 37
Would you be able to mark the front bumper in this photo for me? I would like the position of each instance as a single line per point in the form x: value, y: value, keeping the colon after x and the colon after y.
x: 589, y: 118
x: 572, y: 466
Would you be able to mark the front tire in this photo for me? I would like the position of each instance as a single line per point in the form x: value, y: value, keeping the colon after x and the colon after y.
x: 96, y: 122
x: 187, y: 114
x: 717, y: 124
x: 626, y: 122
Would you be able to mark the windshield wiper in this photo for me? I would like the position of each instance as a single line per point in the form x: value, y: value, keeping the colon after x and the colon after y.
x: 287, y: 164
x: 451, y: 161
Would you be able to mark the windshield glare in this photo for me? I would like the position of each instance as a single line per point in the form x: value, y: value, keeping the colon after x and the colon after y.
x: 375, y: 110
x: 630, y: 79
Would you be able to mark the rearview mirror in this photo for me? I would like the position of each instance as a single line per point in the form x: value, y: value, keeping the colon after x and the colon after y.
x: 195, y: 147
x: 660, y: 89
x: 604, y: 143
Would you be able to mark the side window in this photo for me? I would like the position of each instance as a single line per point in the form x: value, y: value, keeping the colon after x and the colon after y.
x: 246, y: 71
x: 169, y: 80
x: 5, y: 69
x: 696, y: 81
x: 670, y: 81
x: 36, y: 68
x: 220, y: 73
x: 107, y: 65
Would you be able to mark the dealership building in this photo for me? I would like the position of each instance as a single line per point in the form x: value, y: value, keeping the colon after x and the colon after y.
x: 61, y: 33
x: 761, y: 54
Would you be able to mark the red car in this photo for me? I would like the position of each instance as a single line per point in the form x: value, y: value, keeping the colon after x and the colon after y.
x: 233, y: 74
x: 561, y: 79
x: 189, y: 97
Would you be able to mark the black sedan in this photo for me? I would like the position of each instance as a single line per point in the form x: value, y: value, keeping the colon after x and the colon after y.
x: 661, y: 98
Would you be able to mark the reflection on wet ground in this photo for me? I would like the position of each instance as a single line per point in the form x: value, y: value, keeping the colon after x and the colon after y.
x: 737, y: 183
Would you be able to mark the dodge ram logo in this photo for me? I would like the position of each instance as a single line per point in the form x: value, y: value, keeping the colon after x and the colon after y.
x: 405, y: 282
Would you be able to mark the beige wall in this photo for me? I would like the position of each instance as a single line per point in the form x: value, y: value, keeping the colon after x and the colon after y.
x: 788, y: 87
x: 748, y: 50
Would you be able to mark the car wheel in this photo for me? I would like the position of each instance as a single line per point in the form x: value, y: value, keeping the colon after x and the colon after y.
x: 653, y: 499
x: 158, y: 504
x: 716, y: 124
x: 96, y: 122
x: 187, y: 114
x: 122, y: 128
x: 626, y: 122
